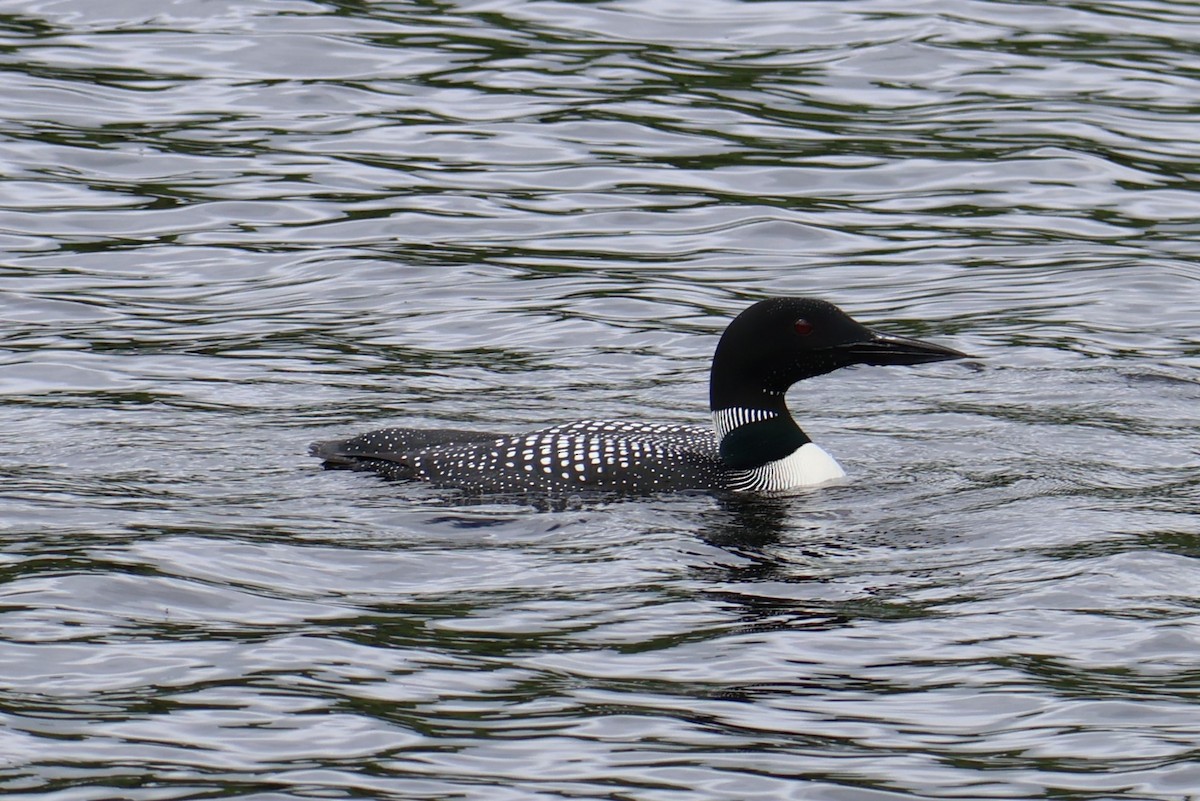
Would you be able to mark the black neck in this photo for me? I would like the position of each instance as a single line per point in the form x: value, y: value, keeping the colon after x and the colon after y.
x: 752, y: 380
x: 758, y: 442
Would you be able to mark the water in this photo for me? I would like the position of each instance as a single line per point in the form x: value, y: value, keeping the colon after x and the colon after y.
x: 232, y: 228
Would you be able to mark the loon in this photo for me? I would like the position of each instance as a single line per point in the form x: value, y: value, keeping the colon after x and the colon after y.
x: 753, y: 444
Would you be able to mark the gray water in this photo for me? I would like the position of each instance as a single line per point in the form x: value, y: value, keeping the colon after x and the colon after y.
x: 231, y: 228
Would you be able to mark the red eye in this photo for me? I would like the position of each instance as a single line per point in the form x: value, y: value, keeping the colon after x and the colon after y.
x: 803, y: 327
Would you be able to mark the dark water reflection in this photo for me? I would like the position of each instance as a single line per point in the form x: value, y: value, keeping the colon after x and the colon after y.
x: 231, y: 228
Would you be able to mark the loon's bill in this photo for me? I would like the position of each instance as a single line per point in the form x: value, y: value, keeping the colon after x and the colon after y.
x: 752, y: 445
x: 888, y: 349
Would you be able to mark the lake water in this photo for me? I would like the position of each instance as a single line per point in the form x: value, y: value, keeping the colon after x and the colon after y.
x: 230, y: 228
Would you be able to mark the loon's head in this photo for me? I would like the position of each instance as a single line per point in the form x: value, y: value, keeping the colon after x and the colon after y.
x: 779, y: 341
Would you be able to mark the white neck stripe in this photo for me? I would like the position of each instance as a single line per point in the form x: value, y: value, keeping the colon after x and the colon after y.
x: 726, y: 420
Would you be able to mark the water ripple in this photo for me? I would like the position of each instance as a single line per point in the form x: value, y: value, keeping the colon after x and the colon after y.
x: 231, y: 228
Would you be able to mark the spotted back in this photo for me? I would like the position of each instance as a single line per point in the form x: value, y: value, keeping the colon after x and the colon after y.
x: 597, y: 455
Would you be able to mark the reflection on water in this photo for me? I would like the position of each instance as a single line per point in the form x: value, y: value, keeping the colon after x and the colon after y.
x: 230, y: 229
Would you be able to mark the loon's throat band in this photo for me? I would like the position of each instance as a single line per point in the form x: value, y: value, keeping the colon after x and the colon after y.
x: 748, y: 438
x: 726, y: 420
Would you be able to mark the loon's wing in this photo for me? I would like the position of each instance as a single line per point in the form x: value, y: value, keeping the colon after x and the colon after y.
x: 589, y: 455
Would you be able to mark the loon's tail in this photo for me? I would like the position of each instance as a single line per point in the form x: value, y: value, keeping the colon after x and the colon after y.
x: 391, y: 446
x: 332, y: 453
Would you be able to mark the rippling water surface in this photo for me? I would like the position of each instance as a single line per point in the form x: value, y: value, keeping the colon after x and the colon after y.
x: 229, y: 228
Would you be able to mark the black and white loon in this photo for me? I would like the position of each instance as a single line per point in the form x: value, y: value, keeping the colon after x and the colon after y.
x: 753, y: 445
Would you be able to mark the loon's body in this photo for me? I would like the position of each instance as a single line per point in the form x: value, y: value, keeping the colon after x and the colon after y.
x: 598, y: 455
x: 753, y: 445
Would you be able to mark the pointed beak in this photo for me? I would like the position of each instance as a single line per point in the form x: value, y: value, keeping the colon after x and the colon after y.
x: 886, y: 349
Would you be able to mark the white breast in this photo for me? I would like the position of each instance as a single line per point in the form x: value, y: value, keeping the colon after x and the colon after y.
x: 806, y: 466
